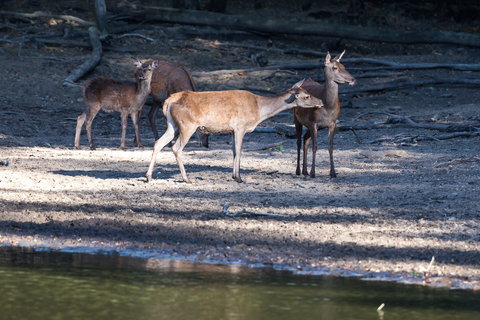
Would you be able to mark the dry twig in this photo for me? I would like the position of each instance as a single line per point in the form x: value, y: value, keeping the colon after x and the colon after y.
x: 456, y: 160
x: 225, y: 210
x: 273, y: 145
x: 136, y: 35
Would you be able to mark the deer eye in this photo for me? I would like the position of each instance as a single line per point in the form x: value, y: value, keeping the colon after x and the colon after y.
x: 335, y: 68
x: 307, y: 97
x: 297, y: 95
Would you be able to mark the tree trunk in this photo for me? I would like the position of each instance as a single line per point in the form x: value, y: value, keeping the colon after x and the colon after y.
x: 101, y: 15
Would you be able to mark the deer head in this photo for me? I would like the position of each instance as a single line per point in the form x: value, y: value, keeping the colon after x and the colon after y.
x: 302, y: 98
x: 335, y: 71
x: 144, y: 70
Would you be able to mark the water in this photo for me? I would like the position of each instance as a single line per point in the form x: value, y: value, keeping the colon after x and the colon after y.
x: 52, y: 285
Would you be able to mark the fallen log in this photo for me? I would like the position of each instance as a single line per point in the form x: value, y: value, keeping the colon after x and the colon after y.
x: 407, y: 83
x: 298, y: 66
x: 313, y: 65
x: 422, y: 66
x: 40, y: 14
x: 424, y: 125
x: 246, y: 23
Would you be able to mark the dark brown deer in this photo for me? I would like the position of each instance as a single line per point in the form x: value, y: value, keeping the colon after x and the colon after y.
x: 168, y: 79
x: 126, y: 97
x: 234, y: 111
x: 326, y: 117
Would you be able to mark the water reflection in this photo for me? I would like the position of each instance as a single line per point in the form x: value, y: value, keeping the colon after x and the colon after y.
x: 51, y: 285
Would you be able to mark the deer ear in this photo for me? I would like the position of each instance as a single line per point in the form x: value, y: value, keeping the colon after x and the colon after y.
x: 337, y: 58
x: 298, y: 84
x: 136, y: 62
x: 291, y: 99
x: 155, y: 64
x: 327, y: 58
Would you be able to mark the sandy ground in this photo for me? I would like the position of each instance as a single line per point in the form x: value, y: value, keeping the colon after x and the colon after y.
x: 393, y: 207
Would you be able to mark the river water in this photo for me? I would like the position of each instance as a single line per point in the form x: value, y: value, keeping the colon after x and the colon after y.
x: 53, y: 285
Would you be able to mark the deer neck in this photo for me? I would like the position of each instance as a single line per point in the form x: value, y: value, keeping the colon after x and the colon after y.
x: 143, y: 90
x: 331, y: 94
x: 270, y: 106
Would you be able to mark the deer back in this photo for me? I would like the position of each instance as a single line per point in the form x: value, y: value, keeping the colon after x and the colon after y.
x: 109, y: 93
x: 168, y: 79
x: 215, y: 111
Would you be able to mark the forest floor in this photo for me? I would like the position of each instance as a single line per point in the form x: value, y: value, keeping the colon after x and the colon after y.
x: 394, y: 205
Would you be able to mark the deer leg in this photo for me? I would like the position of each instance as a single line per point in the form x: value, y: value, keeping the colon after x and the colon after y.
x: 203, y: 138
x: 88, y: 125
x: 313, y: 133
x: 331, y: 134
x: 159, y: 144
x: 124, y: 129
x: 298, y: 129
x: 234, y: 154
x: 80, y: 121
x: 151, y: 117
x: 135, y: 140
x: 237, y: 151
x: 177, y: 149
x: 136, y: 120
x: 306, y: 142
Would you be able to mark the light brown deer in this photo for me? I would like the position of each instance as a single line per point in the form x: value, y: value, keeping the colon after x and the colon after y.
x: 234, y: 111
x: 168, y: 79
x: 326, y: 117
x: 126, y: 97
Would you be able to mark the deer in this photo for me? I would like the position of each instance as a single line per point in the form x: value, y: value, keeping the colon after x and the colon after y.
x: 326, y: 117
x: 235, y: 111
x: 168, y: 79
x: 126, y: 97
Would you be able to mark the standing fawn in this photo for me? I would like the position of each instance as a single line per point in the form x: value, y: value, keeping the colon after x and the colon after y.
x: 126, y: 97
x: 326, y: 117
x: 234, y: 111
x: 168, y: 79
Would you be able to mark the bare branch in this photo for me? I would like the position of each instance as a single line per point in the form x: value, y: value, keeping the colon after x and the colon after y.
x: 90, y: 63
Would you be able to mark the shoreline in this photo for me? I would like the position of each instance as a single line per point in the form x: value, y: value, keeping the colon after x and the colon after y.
x: 331, y: 269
